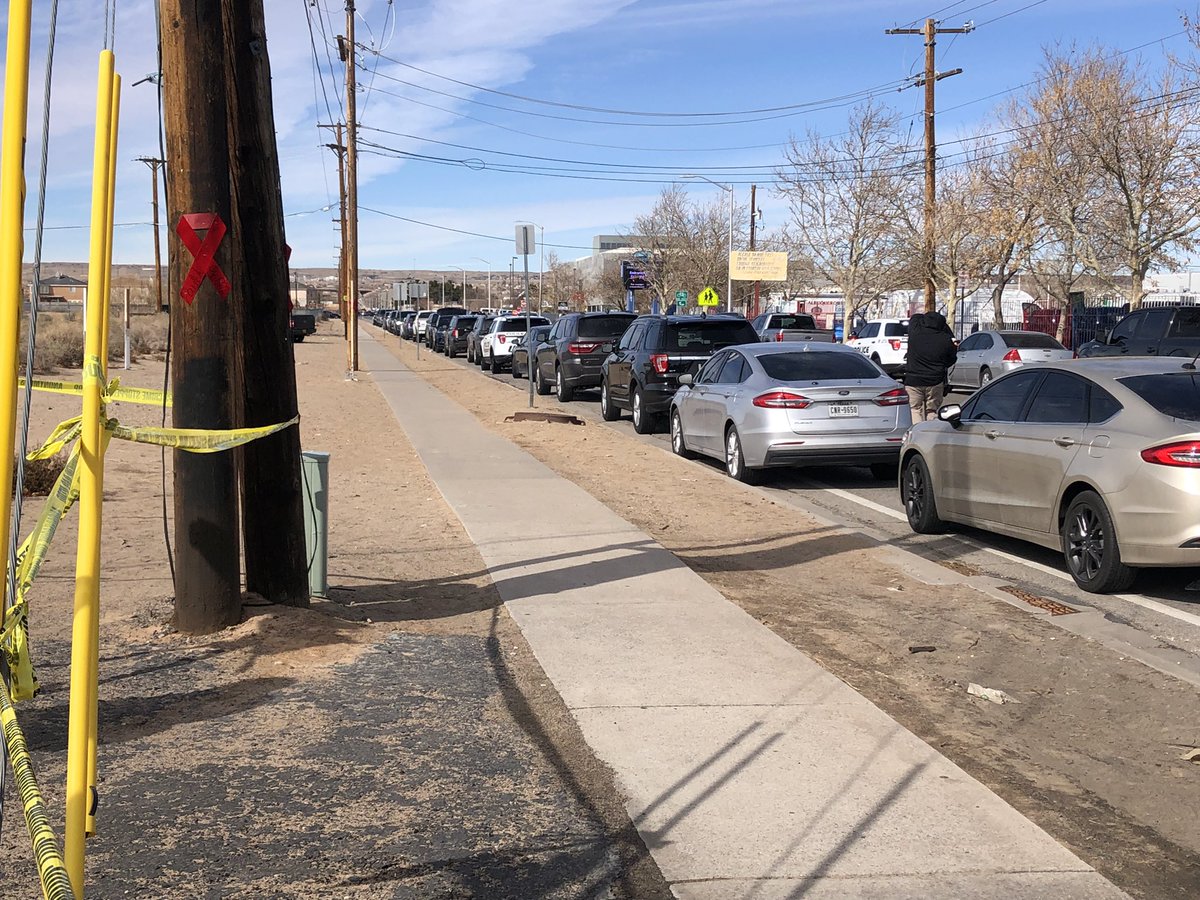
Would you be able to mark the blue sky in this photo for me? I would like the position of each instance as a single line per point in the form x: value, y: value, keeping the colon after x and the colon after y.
x: 661, y: 56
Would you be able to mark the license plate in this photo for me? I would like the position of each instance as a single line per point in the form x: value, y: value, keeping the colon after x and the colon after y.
x: 843, y: 410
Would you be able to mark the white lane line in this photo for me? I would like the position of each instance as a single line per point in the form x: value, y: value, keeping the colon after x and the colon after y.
x: 1135, y: 599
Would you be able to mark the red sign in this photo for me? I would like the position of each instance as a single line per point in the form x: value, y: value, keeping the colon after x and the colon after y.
x: 205, y: 264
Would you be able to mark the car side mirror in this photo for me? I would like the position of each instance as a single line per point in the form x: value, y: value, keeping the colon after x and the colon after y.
x: 951, y: 413
x: 1101, y: 336
x: 685, y: 379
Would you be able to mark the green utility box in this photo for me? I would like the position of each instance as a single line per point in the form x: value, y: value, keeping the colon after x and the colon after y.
x: 315, y: 469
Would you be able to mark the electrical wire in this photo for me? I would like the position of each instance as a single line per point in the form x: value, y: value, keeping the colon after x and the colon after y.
x: 1013, y: 13
x: 162, y: 154
x: 490, y: 237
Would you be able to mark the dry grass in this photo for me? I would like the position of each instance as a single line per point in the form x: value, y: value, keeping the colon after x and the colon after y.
x: 60, y: 340
x: 40, y: 475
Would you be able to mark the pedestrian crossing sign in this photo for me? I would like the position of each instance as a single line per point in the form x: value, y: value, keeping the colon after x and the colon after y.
x: 708, y: 297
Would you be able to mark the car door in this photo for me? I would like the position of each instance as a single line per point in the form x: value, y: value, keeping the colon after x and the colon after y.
x: 1038, y: 451
x: 724, y: 392
x: 1151, y: 331
x: 1121, y: 341
x: 959, y: 373
x: 619, y: 366
x: 547, y: 350
x: 964, y: 459
x: 696, y: 411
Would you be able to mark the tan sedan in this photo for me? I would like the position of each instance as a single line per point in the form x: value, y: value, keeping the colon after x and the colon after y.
x: 1099, y: 458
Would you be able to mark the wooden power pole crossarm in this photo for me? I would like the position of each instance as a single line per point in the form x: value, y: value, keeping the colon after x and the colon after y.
x: 930, y: 31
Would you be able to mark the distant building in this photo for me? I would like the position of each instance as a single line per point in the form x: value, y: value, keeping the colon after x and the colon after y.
x: 63, y: 288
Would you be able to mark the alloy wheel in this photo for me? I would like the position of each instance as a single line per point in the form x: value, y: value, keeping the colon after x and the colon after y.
x: 1086, y: 544
x: 914, y: 492
x: 733, y: 453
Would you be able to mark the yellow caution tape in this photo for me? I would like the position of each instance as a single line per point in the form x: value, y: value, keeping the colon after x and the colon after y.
x: 63, y: 434
x: 195, y: 440
x: 56, y: 883
x: 148, y: 396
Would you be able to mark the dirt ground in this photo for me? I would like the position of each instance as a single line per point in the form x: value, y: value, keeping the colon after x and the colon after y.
x: 396, y: 740
x: 1090, y: 750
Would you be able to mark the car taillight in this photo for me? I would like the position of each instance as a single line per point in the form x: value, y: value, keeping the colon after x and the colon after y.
x: 454, y: 333
x: 895, y: 345
x: 1012, y: 355
x: 782, y: 400
x: 581, y: 347
x: 660, y: 363
x: 779, y: 335
x: 1185, y: 454
x: 501, y: 338
x: 894, y: 397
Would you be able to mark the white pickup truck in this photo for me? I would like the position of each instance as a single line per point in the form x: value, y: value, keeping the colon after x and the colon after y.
x: 884, y: 342
x: 790, y: 327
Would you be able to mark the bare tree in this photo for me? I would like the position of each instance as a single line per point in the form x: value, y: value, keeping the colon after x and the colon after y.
x: 843, y: 193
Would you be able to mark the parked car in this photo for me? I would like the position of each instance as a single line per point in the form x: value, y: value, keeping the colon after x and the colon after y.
x: 789, y: 327
x: 578, y: 343
x: 456, y: 334
x: 1097, y: 458
x: 496, y: 345
x: 770, y: 404
x: 421, y: 325
x: 438, y: 322
x: 520, y: 352
x: 884, y: 342
x: 1158, y: 331
x: 302, y: 323
x: 483, y: 323
x: 989, y: 354
x: 406, y: 324
x: 642, y: 373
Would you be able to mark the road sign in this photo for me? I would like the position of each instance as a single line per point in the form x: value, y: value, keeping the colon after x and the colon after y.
x: 708, y: 297
x: 681, y: 298
x: 525, y: 240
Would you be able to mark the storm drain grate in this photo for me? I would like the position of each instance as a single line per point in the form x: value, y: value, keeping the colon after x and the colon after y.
x: 960, y: 567
x: 1051, y: 606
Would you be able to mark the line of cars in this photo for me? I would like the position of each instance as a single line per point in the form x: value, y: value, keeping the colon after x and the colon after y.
x: 1098, y: 458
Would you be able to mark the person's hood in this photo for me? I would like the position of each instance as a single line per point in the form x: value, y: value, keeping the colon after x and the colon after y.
x: 935, y: 321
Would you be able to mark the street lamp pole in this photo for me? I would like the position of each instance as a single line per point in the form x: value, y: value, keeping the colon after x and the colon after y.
x: 464, y: 274
x: 729, y: 269
x: 489, y: 283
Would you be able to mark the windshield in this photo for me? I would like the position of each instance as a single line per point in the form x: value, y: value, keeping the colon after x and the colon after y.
x: 1030, y: 340
x: 704, y: 336
x: 791, y: 322
x: 817, y: 366
x: 508, y: 325
x: 604, y: 326
x: 1174, y: 394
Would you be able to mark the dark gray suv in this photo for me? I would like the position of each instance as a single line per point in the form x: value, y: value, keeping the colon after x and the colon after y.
x: 570, y: 359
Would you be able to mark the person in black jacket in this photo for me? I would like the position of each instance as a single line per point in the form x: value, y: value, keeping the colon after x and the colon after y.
x: 931, y: 353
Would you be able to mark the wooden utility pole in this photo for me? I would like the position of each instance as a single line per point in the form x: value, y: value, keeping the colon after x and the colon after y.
x: 343, y: 306
x: 207, y: 583
x: 930, y: 31
x: 154, y: 164
x: 753, y: 223
x: 272, y: 492
x: 350, y: 55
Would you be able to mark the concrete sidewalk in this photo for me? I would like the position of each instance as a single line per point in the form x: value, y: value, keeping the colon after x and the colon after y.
x: 748, y: 770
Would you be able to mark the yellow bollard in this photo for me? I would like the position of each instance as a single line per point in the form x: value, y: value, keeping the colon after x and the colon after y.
x: 91, y: 487
x: 105, y: 302
x: 12, y: 222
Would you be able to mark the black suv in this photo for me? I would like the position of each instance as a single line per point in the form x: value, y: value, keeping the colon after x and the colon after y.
x: 456, y: 334
x: 482, y: 324
x: 438, y: 321
x: 642, y: 373
x: 571, y: 358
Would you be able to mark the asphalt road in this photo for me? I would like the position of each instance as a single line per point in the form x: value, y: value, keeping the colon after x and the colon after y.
x: 1165, y: 607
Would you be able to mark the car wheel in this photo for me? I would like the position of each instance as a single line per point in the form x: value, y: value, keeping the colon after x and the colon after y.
x: 486, y: 364
x: 516, y: 376
x: 985, y: 377
x: 885, y: 471
x: 916, y: 492
x: 678, y: 444
x: 608, y: 412
x: 643, y: 422
x: 451, y: 353
x: 735, y: 460
x: 1090, y: 548
x: 563, y: 391
x: 539, y: 383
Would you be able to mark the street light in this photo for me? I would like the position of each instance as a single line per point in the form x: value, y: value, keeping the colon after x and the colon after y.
x: 489, y: 287
x: 729, y: 282
x: 541, y: 258
x: 464, y: 274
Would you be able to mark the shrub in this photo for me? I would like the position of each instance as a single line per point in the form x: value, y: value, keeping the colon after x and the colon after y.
x: 40, y: 475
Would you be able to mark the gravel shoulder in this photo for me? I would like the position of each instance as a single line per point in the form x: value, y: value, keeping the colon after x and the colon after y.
x: 1091, y: 748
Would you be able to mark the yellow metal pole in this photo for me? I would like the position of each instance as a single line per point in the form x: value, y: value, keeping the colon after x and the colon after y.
x: 104, y: 301
x: 91, y: 486
x: 12, y: 222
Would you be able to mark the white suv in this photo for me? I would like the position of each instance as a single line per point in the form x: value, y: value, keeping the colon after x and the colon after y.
x: 420, y: 323
x: 495, y: 347
x: 885, y: 342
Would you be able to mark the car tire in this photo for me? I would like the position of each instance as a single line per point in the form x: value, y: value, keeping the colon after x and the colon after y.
x: 608, y: 412
x: 1090, y: 549
x: 451, y: 353
x: 562, y: 390
x: 539, y: 383
x: 916, y: 493
x: 885, y: 471
x: 735, y: 459
x: 643, y: 422
x: 985, y: 377
x: 485, y: 364
x: 513, y: 370
x: 678, y: 444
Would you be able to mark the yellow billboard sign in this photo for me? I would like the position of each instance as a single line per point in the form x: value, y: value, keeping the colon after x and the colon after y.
x: 758, y: 265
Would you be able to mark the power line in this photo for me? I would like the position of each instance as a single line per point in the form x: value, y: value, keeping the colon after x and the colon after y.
x: 1013, y: 13
x: 491, y: 237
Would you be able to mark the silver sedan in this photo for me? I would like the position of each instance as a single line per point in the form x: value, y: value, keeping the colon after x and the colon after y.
x: 777, y: 404
x: 1098, y: 458
x: 989, y: 354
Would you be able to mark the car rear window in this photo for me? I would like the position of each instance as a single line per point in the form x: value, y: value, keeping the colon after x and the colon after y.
x: 604, y: 326
x: 464, y: 322
x: 786, y: 322
x: 895, y: 329
x: 704, y: 336
x: 1174, y: 394
x: 1030, y: 340
x: 817, y: 366
x: 519, y: 324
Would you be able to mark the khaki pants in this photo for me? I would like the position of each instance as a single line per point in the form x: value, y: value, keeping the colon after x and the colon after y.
x: 925, y: 401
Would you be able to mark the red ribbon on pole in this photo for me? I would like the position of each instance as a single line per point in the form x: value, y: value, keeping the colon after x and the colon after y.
x: 205, y: 263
